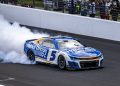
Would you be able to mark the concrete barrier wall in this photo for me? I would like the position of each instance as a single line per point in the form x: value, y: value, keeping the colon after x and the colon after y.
x: 62, y: 22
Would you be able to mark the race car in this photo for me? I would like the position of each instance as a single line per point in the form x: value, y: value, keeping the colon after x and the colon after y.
x: 65, y: 52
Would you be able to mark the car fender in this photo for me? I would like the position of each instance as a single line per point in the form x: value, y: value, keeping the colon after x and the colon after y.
x: 64, y: 54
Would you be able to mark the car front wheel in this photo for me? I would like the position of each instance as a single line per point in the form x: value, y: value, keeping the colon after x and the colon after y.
x: 61, y: 62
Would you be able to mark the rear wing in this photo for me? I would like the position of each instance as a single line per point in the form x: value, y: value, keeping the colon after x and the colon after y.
x: 31, y: 40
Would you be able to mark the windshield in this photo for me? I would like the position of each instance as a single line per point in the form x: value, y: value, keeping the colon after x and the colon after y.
x: 69, y: 44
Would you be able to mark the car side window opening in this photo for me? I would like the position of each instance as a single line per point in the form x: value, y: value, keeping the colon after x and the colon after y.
x: 48, y: 43
x: 69, y: 44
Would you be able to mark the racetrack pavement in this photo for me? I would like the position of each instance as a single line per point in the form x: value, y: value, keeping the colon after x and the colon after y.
x: 45, y: 75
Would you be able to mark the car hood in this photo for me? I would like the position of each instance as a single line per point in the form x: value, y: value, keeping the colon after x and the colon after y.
x: 82, y: 52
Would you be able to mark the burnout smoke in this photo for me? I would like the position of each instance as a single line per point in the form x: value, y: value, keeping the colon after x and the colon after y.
x: 12, y: 39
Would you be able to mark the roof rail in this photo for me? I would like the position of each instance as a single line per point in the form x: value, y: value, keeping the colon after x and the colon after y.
x: 60, y: 37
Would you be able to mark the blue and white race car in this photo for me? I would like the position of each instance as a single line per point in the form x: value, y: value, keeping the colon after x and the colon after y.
x: 66, y: 52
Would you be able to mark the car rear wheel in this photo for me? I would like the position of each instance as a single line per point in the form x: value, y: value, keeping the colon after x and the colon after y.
x: 31, y: 56
x: 61, y: 62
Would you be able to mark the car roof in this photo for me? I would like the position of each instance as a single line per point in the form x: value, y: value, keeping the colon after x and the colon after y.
x: 58, y: 37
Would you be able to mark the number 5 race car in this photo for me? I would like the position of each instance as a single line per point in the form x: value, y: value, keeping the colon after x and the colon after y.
x: 66, y: 52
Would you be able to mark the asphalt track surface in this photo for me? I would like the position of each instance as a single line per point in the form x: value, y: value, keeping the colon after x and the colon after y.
x: 45, y: 75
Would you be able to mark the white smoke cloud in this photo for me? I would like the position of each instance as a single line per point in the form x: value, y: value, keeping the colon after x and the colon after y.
x: 12, y: 38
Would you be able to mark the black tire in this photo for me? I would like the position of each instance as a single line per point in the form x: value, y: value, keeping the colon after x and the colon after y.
x: 31, y: 56
x: 61, y: 62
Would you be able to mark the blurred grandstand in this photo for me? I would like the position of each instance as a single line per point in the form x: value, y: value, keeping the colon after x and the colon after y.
x: 104, y: 9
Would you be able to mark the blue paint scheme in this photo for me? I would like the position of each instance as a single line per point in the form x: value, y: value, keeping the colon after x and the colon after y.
x: 42, y: 51
x: 39, y: 51
x: 53, y: 54
x: 77, y: 53
x: 73, y: 65
x: 54, y: 40
x: 55, y: 43
x: 83, y: 52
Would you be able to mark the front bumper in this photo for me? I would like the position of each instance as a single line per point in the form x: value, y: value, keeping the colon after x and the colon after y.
x: 85, y: 64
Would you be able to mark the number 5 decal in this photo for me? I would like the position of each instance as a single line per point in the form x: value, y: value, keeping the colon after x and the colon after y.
x: 53, y: 55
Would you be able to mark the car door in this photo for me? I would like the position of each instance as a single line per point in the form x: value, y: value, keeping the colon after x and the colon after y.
x: 46, y: 51
x: 51, y: 55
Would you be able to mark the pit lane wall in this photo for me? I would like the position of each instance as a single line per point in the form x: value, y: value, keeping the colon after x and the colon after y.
x: 62, y: 22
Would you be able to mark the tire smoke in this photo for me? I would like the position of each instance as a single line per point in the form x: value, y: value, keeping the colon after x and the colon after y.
x: 12, y: 39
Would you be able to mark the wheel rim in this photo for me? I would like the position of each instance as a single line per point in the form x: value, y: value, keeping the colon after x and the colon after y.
x: 31, y: 56
x: 62, y: 63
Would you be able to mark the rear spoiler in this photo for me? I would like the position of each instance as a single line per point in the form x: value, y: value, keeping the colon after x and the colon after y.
x: 31, y: 40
